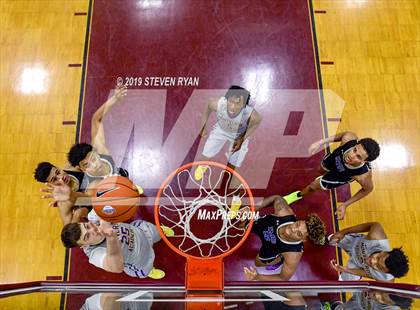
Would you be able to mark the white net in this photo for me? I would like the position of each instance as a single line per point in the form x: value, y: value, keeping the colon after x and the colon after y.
x: 181, y: 213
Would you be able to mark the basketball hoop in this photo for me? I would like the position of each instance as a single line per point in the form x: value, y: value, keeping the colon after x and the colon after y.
x: 200, y: 213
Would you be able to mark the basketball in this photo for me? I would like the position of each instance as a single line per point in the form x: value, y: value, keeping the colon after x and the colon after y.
x: 116, y: 199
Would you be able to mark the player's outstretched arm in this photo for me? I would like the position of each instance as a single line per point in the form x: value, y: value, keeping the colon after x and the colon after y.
x: 366, y: 182
x: 342, y: 137
x: 281, y: 207
x: 356, y: 271
x: 254, y: 121
x: 268, y: 201
x: 114, y: 259
x: 64, y: 198
x: 374, y: 230
x: 97, y: 129
x: 211, y: 106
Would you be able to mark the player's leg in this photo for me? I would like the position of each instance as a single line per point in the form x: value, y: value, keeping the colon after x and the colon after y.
x: 328, y: 181
x: 297, y: 195
x: 213, y: 145
x: 235, y: 161
x: 145, y: 267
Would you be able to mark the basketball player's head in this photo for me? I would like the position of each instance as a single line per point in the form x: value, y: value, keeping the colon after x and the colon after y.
x: 237, y: 98
x: 312, y: 228
x: 84, y: 157
x: 366, y: 150
x: 46, y: 172
x: 79, y: 234
x: 316, y: 229
x: 394, y: 262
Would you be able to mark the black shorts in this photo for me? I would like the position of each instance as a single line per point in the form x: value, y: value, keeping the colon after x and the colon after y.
x: 332, y: 180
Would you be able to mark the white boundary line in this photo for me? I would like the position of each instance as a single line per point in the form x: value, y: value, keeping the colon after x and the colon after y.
x: 21, y: 290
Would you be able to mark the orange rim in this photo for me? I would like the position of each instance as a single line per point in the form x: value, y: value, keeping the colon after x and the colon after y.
x: 185, y: 167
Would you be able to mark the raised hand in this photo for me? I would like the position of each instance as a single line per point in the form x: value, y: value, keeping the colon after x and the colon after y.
x: 106, y: 229
x: 341, y: 211
x: 336, y: 238
x: 120, y: 92
x: 203, y: 132
x: 59, y: 193
x: 315, y: 147
x: 251, y: 274
x: 237, y: 144
x: 337, y: 267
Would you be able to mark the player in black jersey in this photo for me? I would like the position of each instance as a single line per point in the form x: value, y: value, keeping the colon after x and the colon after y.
x: 349, y: 162
x: 53, y: 176
x: 94, y: 159
x: 46, y: 172
x: 282, y: 236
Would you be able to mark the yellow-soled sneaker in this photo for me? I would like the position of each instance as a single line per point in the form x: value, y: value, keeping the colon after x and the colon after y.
x: 234, y: 208
x: 293, y: 197
x: 139, y: 189
x: 156, y: 274
x: 199, y: 172
x: 167, y: 231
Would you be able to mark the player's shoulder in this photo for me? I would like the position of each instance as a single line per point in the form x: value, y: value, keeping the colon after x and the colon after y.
x: 214, y: 103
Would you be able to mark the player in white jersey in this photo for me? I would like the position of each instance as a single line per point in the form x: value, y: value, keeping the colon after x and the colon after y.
x: 117, y: 248
x: 236, y: 121
x: 370, y: 255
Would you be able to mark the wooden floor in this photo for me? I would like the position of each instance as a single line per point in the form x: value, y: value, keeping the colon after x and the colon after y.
x: 372, y: 54
x: 375, y: 81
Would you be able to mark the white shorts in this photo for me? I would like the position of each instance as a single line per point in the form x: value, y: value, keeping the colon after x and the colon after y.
x: 215, y: 142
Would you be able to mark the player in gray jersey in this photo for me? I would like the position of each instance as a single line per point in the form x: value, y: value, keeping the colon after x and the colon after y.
x: 117, y: 248
x: 370, y: 255
x: 236, y: 121
x: 375, y: 300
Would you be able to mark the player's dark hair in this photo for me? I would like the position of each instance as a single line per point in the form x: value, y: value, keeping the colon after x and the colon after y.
x: 70, y: 234
x: 78, y: 152
x: 42, y: 171
x: 400, y: 301
x: 371, y: 147
x: 316, y: 229
x: 238, y: 91
x: 397, y: 263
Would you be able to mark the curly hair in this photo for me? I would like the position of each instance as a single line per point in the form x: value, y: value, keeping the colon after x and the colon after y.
x: 316, y: 229
x: 70, y: 234
x: 78, y: 152
x: 371, y: 147
x: 42, y: 171
x: 397, y: 263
